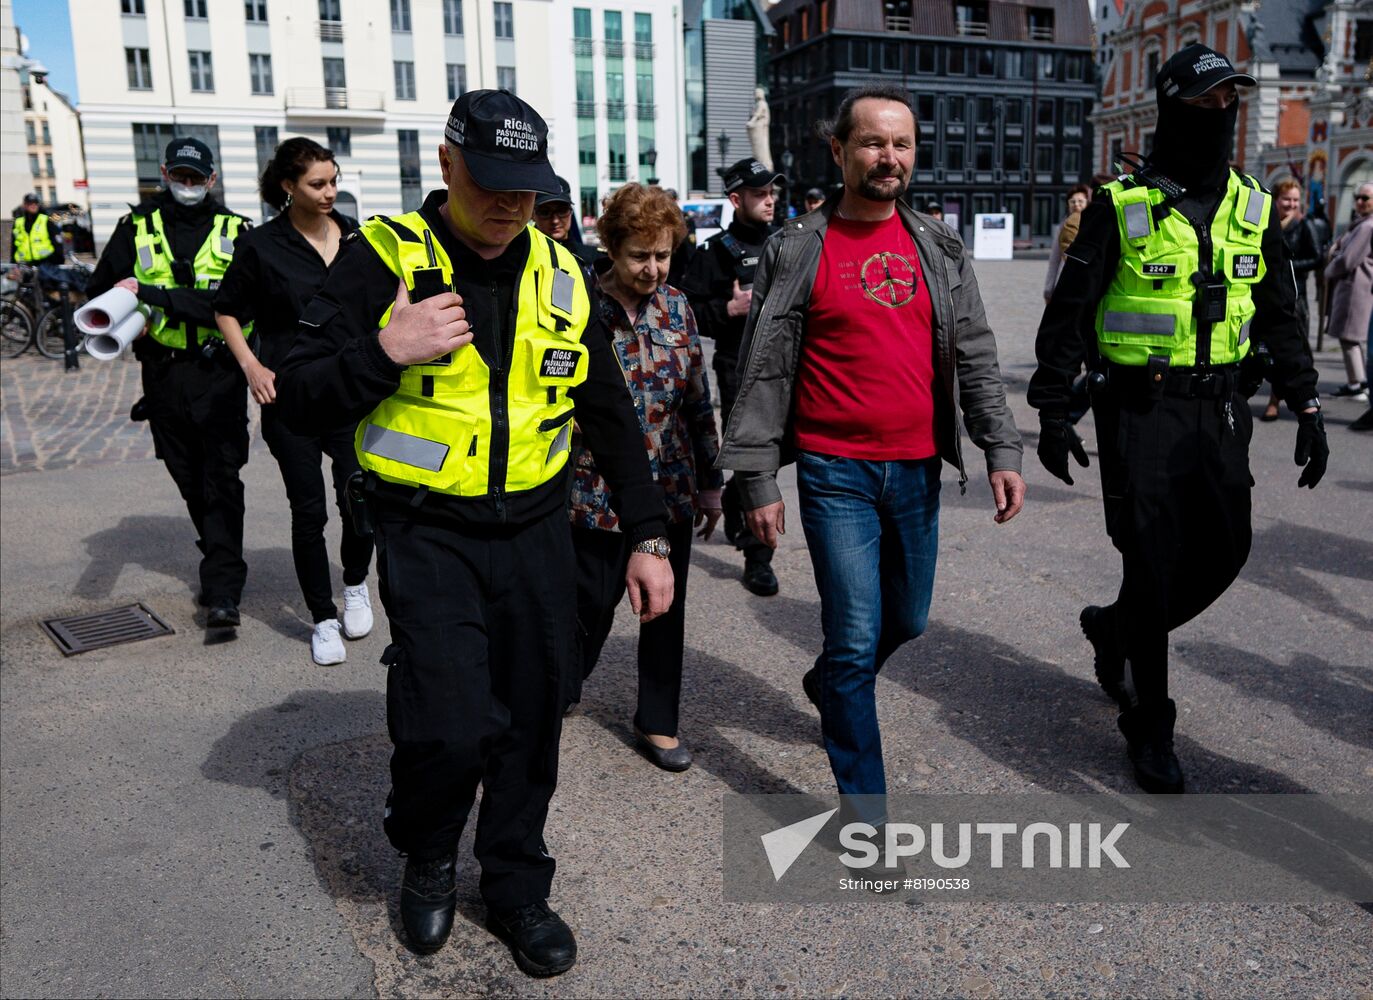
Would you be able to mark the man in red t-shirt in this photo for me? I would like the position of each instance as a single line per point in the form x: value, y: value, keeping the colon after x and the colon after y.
x: 865, y: 316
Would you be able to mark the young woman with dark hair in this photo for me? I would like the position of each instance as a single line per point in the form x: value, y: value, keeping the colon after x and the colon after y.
x: 277, y: 269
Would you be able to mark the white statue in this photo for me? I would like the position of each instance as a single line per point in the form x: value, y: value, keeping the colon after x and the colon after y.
x: 757, y: 126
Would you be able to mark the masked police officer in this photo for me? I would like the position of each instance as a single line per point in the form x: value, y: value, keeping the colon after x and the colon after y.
x: 171, y: 251
x: 466, y: 343
x: 718, y: 284
x: 1177, y: 279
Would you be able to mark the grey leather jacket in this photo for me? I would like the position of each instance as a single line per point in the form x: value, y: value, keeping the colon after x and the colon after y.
x: 758, y: 439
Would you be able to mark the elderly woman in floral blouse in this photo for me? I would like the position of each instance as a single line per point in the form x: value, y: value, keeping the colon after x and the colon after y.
x: 655, y: 339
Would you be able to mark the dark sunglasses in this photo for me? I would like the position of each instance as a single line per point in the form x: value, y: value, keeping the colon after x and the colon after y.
x: 1362, y: 197
x: 548, y: 211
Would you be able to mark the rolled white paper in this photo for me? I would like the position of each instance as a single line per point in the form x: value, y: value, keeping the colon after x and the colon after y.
x: 104, y: 313
x: 108, y: 345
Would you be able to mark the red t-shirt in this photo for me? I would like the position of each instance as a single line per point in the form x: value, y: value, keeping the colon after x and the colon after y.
x: 865, y: 385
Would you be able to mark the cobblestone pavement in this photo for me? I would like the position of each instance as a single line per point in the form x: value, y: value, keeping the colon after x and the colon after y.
x: 50, y: 419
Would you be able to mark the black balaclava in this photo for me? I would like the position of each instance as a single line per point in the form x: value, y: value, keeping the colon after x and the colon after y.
x: 1192, y: 145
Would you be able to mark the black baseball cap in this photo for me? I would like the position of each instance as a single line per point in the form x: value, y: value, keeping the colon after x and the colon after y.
x: 749, y: 173
x: 190, y: 153
x: 1194, y: 70
x: 563, y: 197
x: 815, y: 194
x: 504, y: 142
x: 32, y: 199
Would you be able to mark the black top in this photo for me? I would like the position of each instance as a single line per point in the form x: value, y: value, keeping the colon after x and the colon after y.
x: 186, y: 229
x: 709, y: 283
x: 275, y: 274
x: 21, y: 221
x: 337, y: 372
x: 1067, y: 332
x: 1303, y: 247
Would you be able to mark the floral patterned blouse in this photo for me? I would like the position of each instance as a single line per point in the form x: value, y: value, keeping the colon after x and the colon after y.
x: 661, y: 358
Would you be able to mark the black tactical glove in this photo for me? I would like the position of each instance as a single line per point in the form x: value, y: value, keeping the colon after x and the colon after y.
x: 1313, y: 451
x: 1057, y: 440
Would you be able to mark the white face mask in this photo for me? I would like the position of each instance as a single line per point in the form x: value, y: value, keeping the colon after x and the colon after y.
x: 188, y: 194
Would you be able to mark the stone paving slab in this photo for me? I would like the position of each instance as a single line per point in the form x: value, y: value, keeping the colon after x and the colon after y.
x: 180, y: 818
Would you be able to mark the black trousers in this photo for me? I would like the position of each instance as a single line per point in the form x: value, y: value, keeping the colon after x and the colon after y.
x: 198, y: 413
x: 726, y: 368
x: 300, y: 458
x: 602, y: 558
x: 1175, y: 478
x: 482, y: 627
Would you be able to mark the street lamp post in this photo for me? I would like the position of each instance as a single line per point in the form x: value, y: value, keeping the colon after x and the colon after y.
x: 651, y: 158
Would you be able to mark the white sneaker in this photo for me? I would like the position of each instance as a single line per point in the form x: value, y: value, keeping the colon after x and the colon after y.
x: 357, y: 611
x: 325, y: 645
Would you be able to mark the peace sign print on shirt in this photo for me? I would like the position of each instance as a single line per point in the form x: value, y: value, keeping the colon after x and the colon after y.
x: 889, y: 279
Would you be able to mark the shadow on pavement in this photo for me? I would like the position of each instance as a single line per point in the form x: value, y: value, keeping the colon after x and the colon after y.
x: 1326, y: 696
x: 166, y: 545
x: 1282, y: 550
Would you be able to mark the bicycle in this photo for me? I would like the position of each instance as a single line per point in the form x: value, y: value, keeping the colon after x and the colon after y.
x: 27, y: 317
x: 56, y: 333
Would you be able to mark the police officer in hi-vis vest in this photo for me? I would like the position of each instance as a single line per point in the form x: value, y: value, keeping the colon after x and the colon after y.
x: 171, y: 251
x: 1179, y: 296
x: 35, y: 239
x: 465, y: 344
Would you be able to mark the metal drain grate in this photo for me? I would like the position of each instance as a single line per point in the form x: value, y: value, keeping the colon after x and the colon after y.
x: 82, y: 633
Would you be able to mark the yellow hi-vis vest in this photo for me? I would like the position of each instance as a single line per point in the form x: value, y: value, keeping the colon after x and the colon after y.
x: 32, y: 244
x: 1149, y: 307
x: 459, y: 426
x: 153, y: 266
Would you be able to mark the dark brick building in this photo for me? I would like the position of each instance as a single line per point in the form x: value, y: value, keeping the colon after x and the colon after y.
x: 1002, y: 91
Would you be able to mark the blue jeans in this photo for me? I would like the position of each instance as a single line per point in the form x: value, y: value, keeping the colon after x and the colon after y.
x: 873, y: 532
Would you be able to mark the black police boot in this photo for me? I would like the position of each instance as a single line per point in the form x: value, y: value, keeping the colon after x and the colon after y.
x: 1148, y: 732
x: 428, y: 900
x: 758, y: 575
x: 810, y: 683
x: 223, y: 614
x: 139, y: 411
x: 1108, y: 660
x: 541, y: 942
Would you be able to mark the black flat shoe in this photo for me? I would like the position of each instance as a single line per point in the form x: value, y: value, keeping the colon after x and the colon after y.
x: 1107, y: 660
x: 540, y: 941
x: 676, y: 759
x: 760, y: 579
x: 428, y: 900
x: 224, y: 614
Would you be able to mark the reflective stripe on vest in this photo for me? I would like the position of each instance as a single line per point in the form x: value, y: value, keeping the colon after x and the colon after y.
x: 1148, y: 309
x: 438, y: 430
x: 32, y: 244
x: 153, y: 266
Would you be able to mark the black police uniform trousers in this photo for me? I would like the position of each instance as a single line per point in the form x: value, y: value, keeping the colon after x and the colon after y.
x: 300, y: 457
x: 482, y: 621
x: 198, y: 411
x: 726, y: 368
x: 602, y: 560
x: 1176, y: 486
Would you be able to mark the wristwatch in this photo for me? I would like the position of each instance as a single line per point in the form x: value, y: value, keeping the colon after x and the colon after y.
x: 654, y: 547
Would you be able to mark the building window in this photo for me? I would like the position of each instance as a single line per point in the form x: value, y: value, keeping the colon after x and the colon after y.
x: 1150, y: 68
x: 1040, y: 23
x: 31, y: 133
x: 953, y: 155
x: 1074, y: 68
x: 581, y: 23
x: 411, y: 185
x: 891, y: 57
x: 924, y: 109
x: 924, y: 156
x: 1011, y: 154
x: 457, y: 80
x: 1117, y: 151
x: 140, y: 69
x: 255, y: 10
x: 505, y: 20
x: 958, y: 61
x: 131, y: 7
x: 925, y: 58
x: 1044, y: 220
x: 265, y: 140
x: 505, y: 78
x: 1013, y: 111
x: 954, y: 106
x: 1044, y: 114
x: 986, y: 61
x: 452, y: 17
x: 33, y: 165
x: 329, y: 10
x: 643, y: 36
x: 986, y: 116
x: 616, y: 148
x: 400, y: 15
x: 340, y: 139
x: 982, y: 153
x: 1363, y: 41
x: 195, y: 9
x: 1044, y: 159
x: 202, y: 72
x: 405, y: 81
x: 1072, y: 161
x: 824, y: 20
x: 1046, y: 65
x: 260, y: 72
x: 586, y: 93
x: 859, y: 57
x: 1015, y: 65
x: 1072, y: 114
